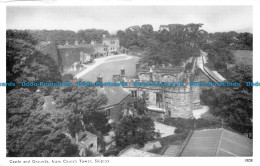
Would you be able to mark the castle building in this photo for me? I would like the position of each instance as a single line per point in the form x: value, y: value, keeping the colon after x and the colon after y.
x: 177, y: 99
x: 173, y: 100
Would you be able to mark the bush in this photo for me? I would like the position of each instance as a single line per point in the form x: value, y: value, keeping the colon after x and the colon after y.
x: 112, y: 151
x: 179, y: 130
x: 172, y: 139
x: 190, y: 124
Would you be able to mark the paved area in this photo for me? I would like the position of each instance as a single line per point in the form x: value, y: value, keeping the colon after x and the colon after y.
x: 164, y: 129
x: 103, y: 60
x: 197, y: 113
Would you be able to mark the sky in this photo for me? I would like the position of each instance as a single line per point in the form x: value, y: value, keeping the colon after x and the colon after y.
x: 114, y: 18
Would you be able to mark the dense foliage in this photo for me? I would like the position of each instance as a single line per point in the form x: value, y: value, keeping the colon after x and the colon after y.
x: 83, y: 105
x: 61, y: 36
x: 32, y: 132
x: 25, y: 64
x: 134, y: 130
x: 235, y: 104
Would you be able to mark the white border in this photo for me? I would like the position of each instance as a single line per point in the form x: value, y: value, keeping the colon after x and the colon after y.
x: 140, y: 161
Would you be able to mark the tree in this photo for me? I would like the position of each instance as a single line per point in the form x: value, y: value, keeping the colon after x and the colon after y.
x: 32, y: 132
x: 138, y: 105
x: 234, y: 104
x: 84, y: 106
x: 96, y: 121
x: 25, y: 63
x: 175, y: 43
x: 20, y: 104
x: 134, y: 130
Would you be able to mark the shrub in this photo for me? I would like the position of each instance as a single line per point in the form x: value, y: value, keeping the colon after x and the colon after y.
x: 179, y: 130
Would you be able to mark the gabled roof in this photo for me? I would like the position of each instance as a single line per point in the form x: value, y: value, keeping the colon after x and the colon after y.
x: 115, y: 94
x: 217, y: 142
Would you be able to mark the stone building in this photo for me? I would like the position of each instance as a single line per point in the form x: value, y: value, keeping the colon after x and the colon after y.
x: 117, y: 102
x: 178, y: 100
x: 111, y: 45
x: 84, y: 52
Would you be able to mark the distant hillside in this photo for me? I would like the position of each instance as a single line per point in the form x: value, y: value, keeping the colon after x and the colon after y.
x: 243, y: 57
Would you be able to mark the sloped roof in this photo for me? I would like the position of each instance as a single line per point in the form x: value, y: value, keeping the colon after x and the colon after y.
x: 132, y: 152
x: 217, y: 142
x: 172, y: 151
x: 115, y: 94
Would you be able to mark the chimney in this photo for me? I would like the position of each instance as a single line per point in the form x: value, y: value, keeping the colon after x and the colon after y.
x: 99, y: 78
x: 104, y: 36
x: 122, y: 72
x: 151, y: 74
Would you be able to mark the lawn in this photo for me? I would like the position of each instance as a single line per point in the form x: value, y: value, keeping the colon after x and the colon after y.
x: 243, y: 57
x: 107, y: 70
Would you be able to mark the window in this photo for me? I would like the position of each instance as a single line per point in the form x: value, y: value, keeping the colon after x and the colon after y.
x: 91, y: 145
x: 134, y: 93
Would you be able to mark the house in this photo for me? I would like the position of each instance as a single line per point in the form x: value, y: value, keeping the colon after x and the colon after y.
x: 86, y: 141
x: 216, y: 142
x: 85, y: 57
x: 84, y: 52
x: 112, y: 45
x: 117, y: 102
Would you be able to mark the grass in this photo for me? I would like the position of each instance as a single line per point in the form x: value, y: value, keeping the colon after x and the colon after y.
x: 243, y: 57
x: 107, y: 70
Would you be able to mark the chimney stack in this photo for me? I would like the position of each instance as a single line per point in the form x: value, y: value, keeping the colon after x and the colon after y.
x: 151, y: 74
x: 99, y: 78
x: 122, y: 72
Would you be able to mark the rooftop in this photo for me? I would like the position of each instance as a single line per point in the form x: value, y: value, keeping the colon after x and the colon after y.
x: 217, y: 142
x: 132, y: 152
x: 115, y: 94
